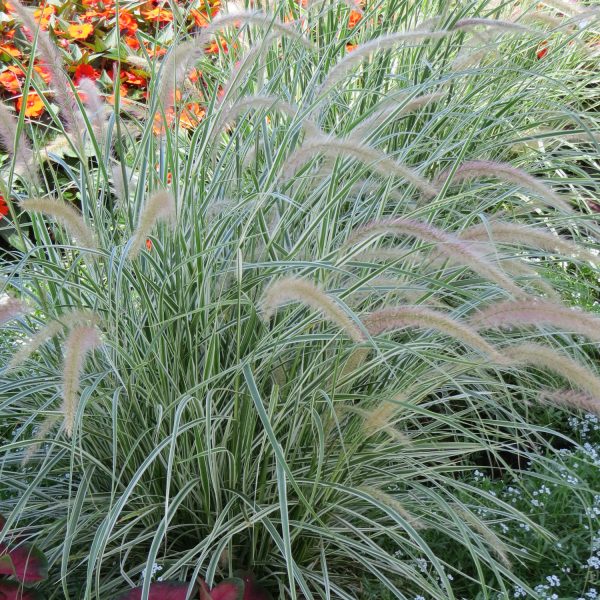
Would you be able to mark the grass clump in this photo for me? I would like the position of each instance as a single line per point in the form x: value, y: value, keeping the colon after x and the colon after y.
x: 247, y: 395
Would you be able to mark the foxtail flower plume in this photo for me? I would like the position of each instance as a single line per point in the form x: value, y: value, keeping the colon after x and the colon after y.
x: 496, y: 544
x: 387, y: 112
x: 66, y: 214
x: 492, y: 23
x: 80, y: 341
x: 540, y: 313
x: 476, y: 169
x: 349, y: 148
x: 401, y: 317
x: 301, y: 290
x: 454, y: 248
x: 15, y: 143
x: 50, y: 56
x: 543, y: 357
x: 572, y: 399
x: 11, y: 308
x: 160, y: 206
x: 522, y: 235
x: 65, y: 321
x: 385, y: 42
x: 394, y: 504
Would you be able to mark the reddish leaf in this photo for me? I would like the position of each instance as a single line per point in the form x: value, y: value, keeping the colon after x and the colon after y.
x: 232, y: 589
x: 26, y: 563
x: 162, y: 590
x: 253, y: 591
x: 9, y: 590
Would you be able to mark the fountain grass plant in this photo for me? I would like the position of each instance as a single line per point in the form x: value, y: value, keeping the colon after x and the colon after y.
x: 210, y: 374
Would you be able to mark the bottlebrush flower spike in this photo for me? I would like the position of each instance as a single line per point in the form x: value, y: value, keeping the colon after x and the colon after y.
x: 457, y: 250
x: 400, y: 317
x: 24, y: 562
x: 375, y: 160
x: 52, y: 60
x: 299, y: 290
x: 160, y: 206
x: 79, y: 342
x: 543, y: 357
x: 69, y: 216
x: 476, y: 169
x: 66, y: 320
x: 10, y: 308
x: 10, y: 590
x: 162, y: 590
x: 15, y: 143
x: 385, y: 42
x: 534, y: 312
x: 572, y: 399
x: 522, y: 235
x: 493, y: 23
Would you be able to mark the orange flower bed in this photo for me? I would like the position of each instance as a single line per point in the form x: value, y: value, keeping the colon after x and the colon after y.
x: 92, y: 35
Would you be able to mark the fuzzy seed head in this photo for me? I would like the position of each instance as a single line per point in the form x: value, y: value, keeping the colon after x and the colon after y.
x: 301, y: 290
x: 543, y: 357
x: 67, y: 215
x: 477, y: 169
x: 375, y: 160
x: 540, y: 313
x: 11, y: 308
x: 80, y: 341
x: 160, y: 207
x: 401, y: 317
x: 457, y: 250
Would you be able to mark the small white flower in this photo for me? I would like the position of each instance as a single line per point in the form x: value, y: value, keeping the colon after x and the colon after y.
x: 594, y: 563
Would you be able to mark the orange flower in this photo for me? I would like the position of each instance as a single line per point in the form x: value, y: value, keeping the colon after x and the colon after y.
x: 191, y: 115
x: 195, y: 75
x: 11, y: 79
x: 85, y: 71
x: 80, y: 31
x: 350, y: 47
x: 133, y: 78
x: 354, y: 18
x: 127, y: 22
x: 158, y: 14
x: 123, y: 91
x: 213, y: 47
x: 43, y: 15
x: 148, y: 244
x: 132, y: 42
x: 200, y: 18
x: 34, y: 105
x: 3, y: 207
x: 10, y: 50
x: 43, y: 72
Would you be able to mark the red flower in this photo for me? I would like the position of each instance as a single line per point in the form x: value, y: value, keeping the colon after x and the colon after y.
x: 542, y: 50
x: 85, y: 71
x: 3, y: 207
x: 200, y: 18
